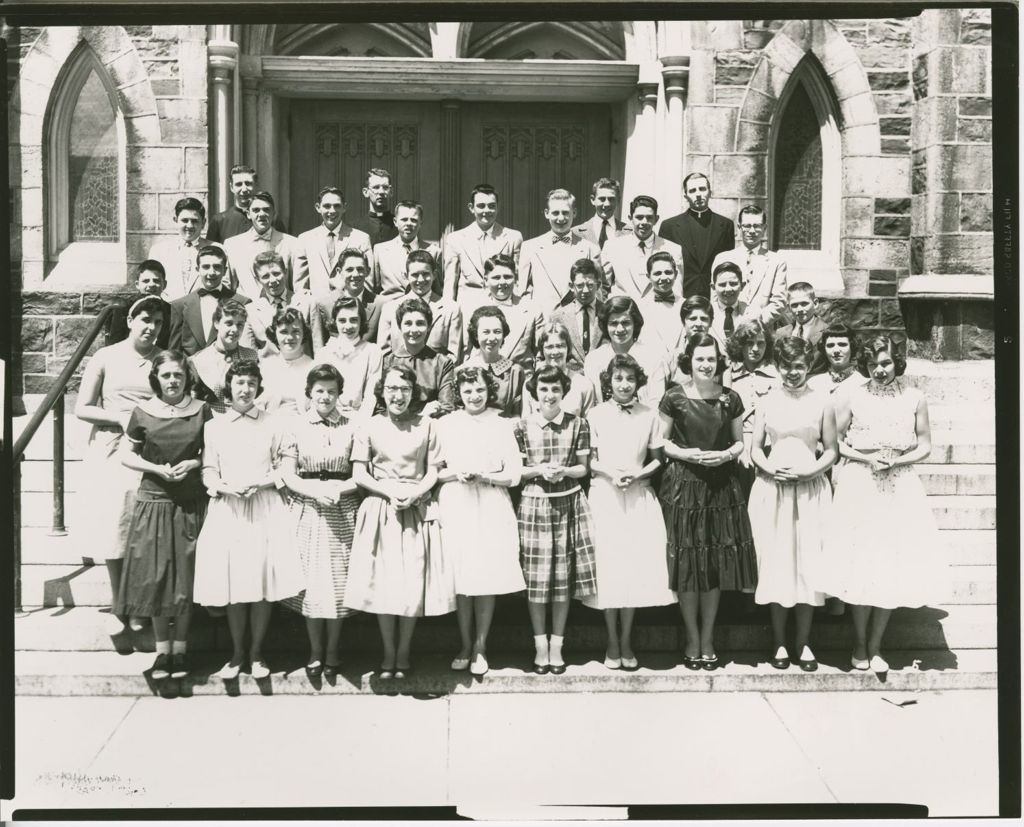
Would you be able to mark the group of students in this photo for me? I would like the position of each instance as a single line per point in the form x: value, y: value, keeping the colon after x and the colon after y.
x: 445, y: 463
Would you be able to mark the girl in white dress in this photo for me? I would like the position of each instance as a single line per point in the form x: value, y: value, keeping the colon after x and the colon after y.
x: 629, y: 529
x: 478, y: 526
x: 245, y: 555
x: 790, y: 499
x: 883, y: 549
x: 284, y: 373
x: 116, y: 379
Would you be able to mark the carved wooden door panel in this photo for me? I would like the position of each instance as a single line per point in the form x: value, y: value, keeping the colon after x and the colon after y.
x: 336, y: 142
x: 527, y: 149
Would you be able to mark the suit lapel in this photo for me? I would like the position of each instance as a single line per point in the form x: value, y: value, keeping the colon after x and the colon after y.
x: 475, y: 251
x: 194, y: 318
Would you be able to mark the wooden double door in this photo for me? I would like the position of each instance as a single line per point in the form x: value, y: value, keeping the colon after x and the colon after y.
x: 436, y: 153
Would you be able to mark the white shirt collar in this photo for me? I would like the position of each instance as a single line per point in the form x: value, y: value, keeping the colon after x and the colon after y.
x: 541, y: 421
x: 252, y: 413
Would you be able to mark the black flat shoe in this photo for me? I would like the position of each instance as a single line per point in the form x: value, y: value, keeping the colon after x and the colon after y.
x: 780, y: 663
x: 692, y: 663
x: 709, y: 663
x: 180, y: 666
x: 161, y: 667
x: 402, y: 672
x: 557, y: 669
x: 331, y: 670
x: 808, y: 665
x: 314, y: 670
x: 540, y: 669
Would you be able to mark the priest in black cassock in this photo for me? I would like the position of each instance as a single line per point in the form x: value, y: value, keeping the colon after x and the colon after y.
x: 377, y: 221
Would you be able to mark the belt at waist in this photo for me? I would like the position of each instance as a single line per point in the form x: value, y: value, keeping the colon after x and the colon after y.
x: 322, y: 475
x: 539, y: 492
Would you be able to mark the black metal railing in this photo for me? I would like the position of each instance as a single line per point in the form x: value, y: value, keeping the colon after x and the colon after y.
x: 53, y: 403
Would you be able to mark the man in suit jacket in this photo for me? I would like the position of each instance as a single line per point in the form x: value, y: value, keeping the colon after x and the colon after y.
x: 661, y: 306
x: 389, y: 257
x: 523, y: 317
x: 378, y: 222
x: 242, y: 249
x: 729, y: 310
x: 625, y: 258
x: 545, y: 261
x: 445, y: 334
x: 579, y: 311
x: 348, y: 278
x: 803, y: 307
x: 764, y: 272
x: 192, y: 315
x: 235, y: 219
x: 178, y: 255
x: 467, y: 250
x: 150, y: 280
x: 604, y: 197
x: 275, y: 295
x: 701, y: 233
x: 320, y: 247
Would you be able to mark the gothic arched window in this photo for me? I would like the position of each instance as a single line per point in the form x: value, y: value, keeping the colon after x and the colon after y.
x: 85, y: 184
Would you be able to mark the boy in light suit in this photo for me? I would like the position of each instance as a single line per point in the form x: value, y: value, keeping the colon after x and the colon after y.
x: 320, y: 247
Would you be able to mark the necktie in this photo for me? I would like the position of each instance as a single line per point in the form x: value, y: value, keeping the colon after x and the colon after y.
x: 188, y: 261
x: 604, y: 234
x: 330, y: 247
x: 729, y: 325
x: 799, y: 332
x: 643, y: 247
x: 407, y: 248
x: 586, y: 330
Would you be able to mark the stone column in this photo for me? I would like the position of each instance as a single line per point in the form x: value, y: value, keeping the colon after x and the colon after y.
x: 223, y: 58
x: 642, y: 173
x: 675, y: 71
x: 250, y: 119
x: 451, y: 198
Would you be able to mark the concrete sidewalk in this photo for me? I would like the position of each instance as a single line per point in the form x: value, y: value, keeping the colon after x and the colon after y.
x: 473, y: 750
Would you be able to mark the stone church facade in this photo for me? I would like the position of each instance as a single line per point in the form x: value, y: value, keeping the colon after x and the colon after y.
x: 868, y: 143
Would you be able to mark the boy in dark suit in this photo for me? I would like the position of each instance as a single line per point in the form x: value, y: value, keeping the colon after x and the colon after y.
x: 191, y: 327
x: 803, y: 306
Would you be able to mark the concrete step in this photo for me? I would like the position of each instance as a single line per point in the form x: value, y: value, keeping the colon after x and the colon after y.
x: 656, y: 630
x: 944, y: 383
x: 960, y: 512
x: 971, y: 417
x: 967, y: 479
x: 110, y: 674
x: 956, y: 446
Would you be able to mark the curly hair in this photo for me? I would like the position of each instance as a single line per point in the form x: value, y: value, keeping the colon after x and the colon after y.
x: 615, y: 306
x: 790, y: 348
x: 230, y: 307
x: 407, y: 374
x: 548, y: 375
x: 685, y: 360
x: 243, y: 367
x: 288, y: 316
x: 349, y: 303
x: 882, y: 343
x: 696, y: 302
x: 324, y: 373
x: 414, y: 304
x: 625, y: 362
x: 162, y: 358
x: 487, y: 311
x: 466, y: 374
x: 744, y: 334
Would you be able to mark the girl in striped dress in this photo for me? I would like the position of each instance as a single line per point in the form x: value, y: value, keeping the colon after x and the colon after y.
x: 555, y: 532
x: 315, y: 466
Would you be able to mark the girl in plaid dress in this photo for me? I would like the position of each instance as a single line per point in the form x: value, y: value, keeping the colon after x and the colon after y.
x: 555, y: 532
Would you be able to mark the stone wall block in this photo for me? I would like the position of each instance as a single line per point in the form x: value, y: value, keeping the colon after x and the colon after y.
x: 41, y: 73
x: 142, y: 211
x: 892, y: 206
x: 957, y: 253
x: 32, y: 242
x: 942, y: 211
x: 155, y: 169
x: 32, y: 98
x: 28, y: 363
x: 893, y: 31
x: 895, y: 146
x: 183, y: 121
x: 838, y: 52
x: 894, y: 104
x: 785, y: 54
x: 878, y: 289
x: 758, y: 107
x: 724, y: 34
x: 934, y: 121
x: 892, y: 225
x: 165, y: 87
x: 144, y: 129
x: 939, y: 27
x: 752, y: 137
x: 848, y: 81
x: 165, y: 211
x: 730, y: 95
x: 166, y: 32
x: 93, y: 301
x: 876, y: 253
x: 735, y: 68
x: 37, y: 335
x: 855, y: 283
x: 139, y: 32
x: 861, y: 140
x: 139, y: 245
x: 162, y: 69
x: 858, y: 216
x: 919, y: 214
x: 889, y: 314
x: 889, y: 80
x: 975, y: 212
x: 192, y: 68
x: 109, y: 42
x: 126, y: 70
x: 975, y: 106
x: 940, y: 70
x: 156, y: 49
x: 976, y: 27
x: 702, y: 78
x: 882, y: 56
x: 30, y: 165
x: 882, y: 177
x: 800, y: 32
x: 974, y: 130
x: 860, y: 109
x: 71, y: 330
x: 712, y: 128
x: 862, y: 313
x: 894, y: 126
x: 740, y: 176
x: 136, y: 98
x: 43, y: 303
x: 919, y: 77
x: 196, y: 176
x: 965, y: 167
x: 761, y: 80
x: 971, y: 71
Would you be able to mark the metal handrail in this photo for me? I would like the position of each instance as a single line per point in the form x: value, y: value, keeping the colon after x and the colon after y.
x: 53, y: 401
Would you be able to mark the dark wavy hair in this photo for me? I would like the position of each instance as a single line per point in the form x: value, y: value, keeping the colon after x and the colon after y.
x: 685, y: 359
x: 349, y: 303
x: 548, y: 375
x: 696, y: 302
x: 487, y: 311
x: 879, y: 344
x: 790, y: 348
x: 243, y: 367
x: 162, y: 358
x: 745, y: 333
x: 324, y: 373
x: 621, y: 361
x: 230, y: 307
x: 838, y: 330
x: 288, y: 316
x: 474, y: 373
x: 413, y: 304
x: 407, y: 374
x: 616, y: 305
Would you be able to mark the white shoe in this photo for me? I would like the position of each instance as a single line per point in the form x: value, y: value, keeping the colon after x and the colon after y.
x: 228, y: 672
x: 879, y: 665
x: 260, y: 670
x: 479, y: 665
x: 612, y: 663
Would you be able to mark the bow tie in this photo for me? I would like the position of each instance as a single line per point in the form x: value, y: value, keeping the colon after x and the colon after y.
x: 219, y: 293
x: 627, y: 407
x: 669, y: 299
x: 561, y: 239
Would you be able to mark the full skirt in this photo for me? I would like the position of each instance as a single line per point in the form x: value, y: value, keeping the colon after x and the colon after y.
x: 109, y: 498
x: 557, y: 548
x: 246, y: 551
x: 399, y: 566
x: 883, y: 547
x: 323, y: 535
x: 159, y: 559
x: 708, y: 531
x: 481, y: 538
x: 629, y: 539
x: 789, y: 523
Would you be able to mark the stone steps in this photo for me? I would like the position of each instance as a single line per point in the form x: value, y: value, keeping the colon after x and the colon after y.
x: 88, y: 629
x: 111, y: 674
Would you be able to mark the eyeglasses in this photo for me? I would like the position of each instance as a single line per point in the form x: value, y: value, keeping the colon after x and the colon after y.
x: 397, y: 389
